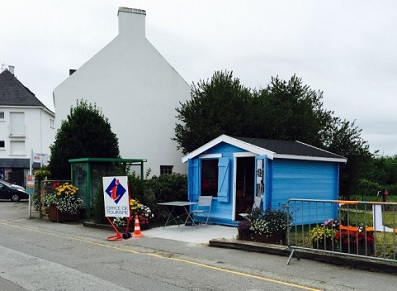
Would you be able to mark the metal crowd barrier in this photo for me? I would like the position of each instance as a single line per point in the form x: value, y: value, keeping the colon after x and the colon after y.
x: 351, y: 228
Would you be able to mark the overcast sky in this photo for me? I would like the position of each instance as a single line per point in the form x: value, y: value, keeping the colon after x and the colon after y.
x: 347, y: 49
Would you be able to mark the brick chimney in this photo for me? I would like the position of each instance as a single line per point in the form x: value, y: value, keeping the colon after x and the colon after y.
x: 11, y: 69
x: 131, y: 21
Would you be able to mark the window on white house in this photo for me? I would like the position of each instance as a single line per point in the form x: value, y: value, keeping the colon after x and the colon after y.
x: 2, y: 144
x: 17, y: 124
x: 164, y: 170
x: 17, y: 147
x: 52, y: 123
x: 1, y: 115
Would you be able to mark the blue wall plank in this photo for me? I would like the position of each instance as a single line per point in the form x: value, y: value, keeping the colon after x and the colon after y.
x: 305, y: 180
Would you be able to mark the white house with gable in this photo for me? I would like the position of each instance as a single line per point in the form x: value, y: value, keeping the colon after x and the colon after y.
x: 26, y: 125
x: 137, y: 90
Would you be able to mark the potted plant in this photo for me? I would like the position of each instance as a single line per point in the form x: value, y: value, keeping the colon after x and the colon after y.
x: 144, y: 213
x: 144, y: 216
x: 269, y: 225
x: 244, y: 232
x: 356, y: 240
x: 63, y: 203
x: 323, y: 236
x: 119, y: 222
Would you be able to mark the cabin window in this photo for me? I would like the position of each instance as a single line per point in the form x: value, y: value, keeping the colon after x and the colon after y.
x: 166, y: 170
x: 209, y: 177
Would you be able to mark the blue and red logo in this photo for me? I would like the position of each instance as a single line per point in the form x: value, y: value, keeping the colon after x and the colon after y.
x: 115, y: 190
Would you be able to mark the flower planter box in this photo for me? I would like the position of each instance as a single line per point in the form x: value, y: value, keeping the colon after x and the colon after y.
x: 356, y: 241
x: 359, y: 249
x: 328, y: 244
x: 57, y: 216
x: 244, y: 234
x: 274, y: 238
x: 143, y: 222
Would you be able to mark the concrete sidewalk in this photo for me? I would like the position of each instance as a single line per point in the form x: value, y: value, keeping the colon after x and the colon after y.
x: 226, y: 237
x: 201, y: 234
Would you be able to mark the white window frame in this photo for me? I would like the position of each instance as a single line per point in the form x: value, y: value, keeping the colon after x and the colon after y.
x: 168, y: 167
x: 21, y: 153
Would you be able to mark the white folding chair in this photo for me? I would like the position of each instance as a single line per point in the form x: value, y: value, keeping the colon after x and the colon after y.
x: 257, y: 204
x: 203, y: 208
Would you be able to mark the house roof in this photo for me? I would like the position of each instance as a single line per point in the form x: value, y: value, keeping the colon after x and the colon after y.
x: 281, y: 149
x: 14, y: 93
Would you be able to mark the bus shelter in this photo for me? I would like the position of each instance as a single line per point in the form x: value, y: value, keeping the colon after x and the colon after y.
x: 87, y: 173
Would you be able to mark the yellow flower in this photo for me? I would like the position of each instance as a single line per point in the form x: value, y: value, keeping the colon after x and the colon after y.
x: 134, y: 204
x: 66, y: 189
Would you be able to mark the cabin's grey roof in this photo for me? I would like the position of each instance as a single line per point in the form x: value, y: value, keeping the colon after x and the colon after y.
x: 271, y: 148
x: 14, y: 93
x: 286, y: 147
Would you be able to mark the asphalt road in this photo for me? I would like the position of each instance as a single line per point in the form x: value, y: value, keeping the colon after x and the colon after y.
x: 40, y: 255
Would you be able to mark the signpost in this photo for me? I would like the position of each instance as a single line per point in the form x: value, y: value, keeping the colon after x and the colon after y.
x: 117, y: 202
x: 34, y: 158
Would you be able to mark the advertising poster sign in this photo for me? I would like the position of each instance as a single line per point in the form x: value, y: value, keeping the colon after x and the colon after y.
x: 30, y: 184
x: 259, y: 178
x: 116, y: 196
x: 40, y: 158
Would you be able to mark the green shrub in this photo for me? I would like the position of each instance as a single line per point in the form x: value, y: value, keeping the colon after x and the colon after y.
x: 138, y: 190
x: 172, y: 187
x: 367, y: 188
x: 169, y: 187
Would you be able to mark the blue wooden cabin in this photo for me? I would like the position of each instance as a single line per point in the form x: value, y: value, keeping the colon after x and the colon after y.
x: 235, y: 170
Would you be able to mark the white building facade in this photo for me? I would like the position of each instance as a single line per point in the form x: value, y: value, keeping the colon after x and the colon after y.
x: 136, y: 89
x: 26, y: 125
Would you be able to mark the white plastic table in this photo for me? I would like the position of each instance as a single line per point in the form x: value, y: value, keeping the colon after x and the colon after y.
x: 171, y: 206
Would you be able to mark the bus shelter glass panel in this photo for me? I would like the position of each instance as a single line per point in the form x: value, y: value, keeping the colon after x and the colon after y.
x: 79, y: 179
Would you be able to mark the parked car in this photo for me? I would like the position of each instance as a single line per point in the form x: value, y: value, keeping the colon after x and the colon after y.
x: 12, y: 192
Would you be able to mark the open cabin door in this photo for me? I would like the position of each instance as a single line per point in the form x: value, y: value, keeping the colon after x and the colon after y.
x: 245, y: 184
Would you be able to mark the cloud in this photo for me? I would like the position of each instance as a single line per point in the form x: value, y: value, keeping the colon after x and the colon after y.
x: 344, y: 48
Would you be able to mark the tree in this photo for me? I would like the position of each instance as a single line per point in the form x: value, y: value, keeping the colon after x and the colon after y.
x: 344, y: 138
x: 381, y: 171
x: 290, y: 110
x: 219, y: 106
x: 285, y: 110
x: 86, y: 132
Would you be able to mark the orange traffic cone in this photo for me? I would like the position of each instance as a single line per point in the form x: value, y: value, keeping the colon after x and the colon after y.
x: 137, y: 228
